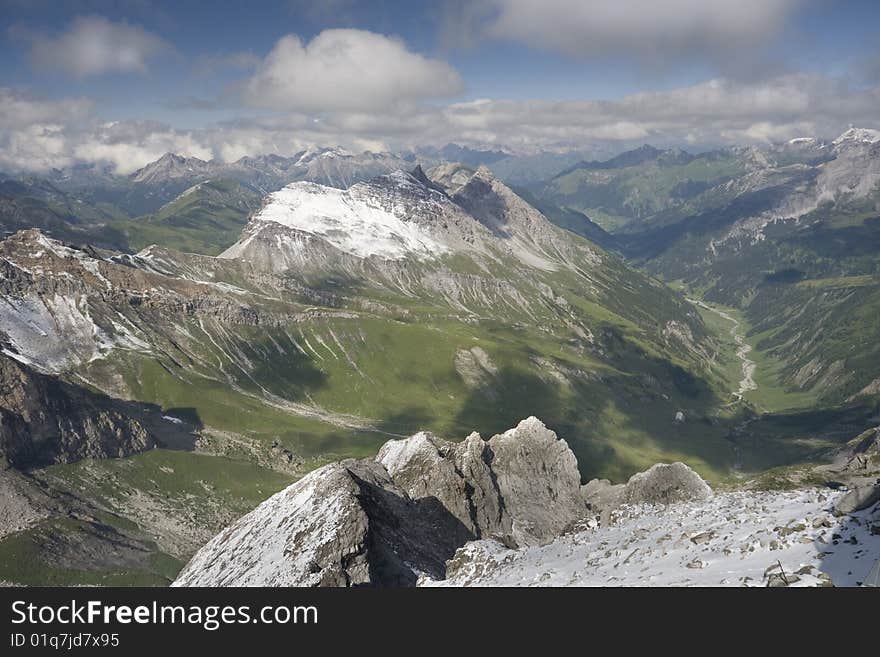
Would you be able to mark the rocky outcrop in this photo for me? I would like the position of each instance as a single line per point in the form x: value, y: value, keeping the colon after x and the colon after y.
x: 345, y: 524
x: 857, y: 498
x: 22, y: 504
x: 387, y: 521
x: 406, y: 514
x: 660, y: 484
x: 664, y: 483
x: 44, y: 420
x: 861, y: 456
x: 521, y: 487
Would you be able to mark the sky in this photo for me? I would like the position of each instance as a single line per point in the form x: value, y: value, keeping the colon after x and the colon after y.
x: 120, y: 83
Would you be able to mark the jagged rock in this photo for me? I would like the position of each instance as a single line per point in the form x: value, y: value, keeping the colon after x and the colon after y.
x: 454, y: 474
x: 44, y: 420
x: 857, y: 499
x: 521, y: 486
x: 384, y: 522
x: 861, y: 456
x: 602, y: 497
x: 664, y: 484
x: 660, y: 484
x: 345, y: 524
x: 538, y: 481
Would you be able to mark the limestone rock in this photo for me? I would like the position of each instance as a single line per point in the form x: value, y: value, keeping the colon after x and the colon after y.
x: 521, y: 486
x: 537, y: 480
x: 857, y: 499
x: 389, y: 520
x: 664, y: 484
x: 345, y: 524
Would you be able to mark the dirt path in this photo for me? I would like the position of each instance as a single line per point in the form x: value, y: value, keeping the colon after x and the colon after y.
x: 742, y: 351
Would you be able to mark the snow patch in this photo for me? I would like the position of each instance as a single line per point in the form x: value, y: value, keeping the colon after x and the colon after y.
x: 354, y: 220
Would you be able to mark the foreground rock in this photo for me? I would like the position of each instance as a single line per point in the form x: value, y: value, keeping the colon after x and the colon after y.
x: 345, y: 524
x: 385, y: 522
x: 736, y: 538
x: 857, y: 499
x: 660, y: 484
x: 401, y: 517
x: 521, y: 487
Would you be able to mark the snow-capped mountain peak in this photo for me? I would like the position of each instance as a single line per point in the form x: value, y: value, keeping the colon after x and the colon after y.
x: 864, y: 135
x: 388, y: 217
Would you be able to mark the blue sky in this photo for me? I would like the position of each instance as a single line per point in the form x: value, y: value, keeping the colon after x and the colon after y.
x: 117, y: 81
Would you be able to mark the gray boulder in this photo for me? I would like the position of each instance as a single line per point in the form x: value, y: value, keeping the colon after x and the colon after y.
x: 521, y: 487
x: 602, y: 497
x: 659, y: 484
x: 857, y: 499
x: 664, y: 484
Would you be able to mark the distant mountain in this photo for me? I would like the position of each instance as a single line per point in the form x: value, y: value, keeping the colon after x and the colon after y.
x: 787, y: 233
x: 637, y: 184
x: 205, y: 218
x: 463, y: 154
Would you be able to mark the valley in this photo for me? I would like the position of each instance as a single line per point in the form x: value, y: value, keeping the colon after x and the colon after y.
x: 237, y: 326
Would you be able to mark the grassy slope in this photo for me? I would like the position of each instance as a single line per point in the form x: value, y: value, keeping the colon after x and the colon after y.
x: 131, y: 497
x: 616, y: 197
x: 207, y: 220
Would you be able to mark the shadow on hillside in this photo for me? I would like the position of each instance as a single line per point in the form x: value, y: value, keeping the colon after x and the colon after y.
x: 637, y: 407
x: 652, y: 242
x: 799, y: 436
x: 176, y: 428
x: 292, y: 376
x: 407, y: 421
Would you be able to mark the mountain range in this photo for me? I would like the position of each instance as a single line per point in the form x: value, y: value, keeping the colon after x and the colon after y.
x: 221, y: 329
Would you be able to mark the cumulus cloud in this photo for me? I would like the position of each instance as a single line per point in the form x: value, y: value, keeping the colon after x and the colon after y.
x: 213, y: 63
x: 33, y: 130
x: 129, y: 145
x: 38, y: 134
x: 93, y: 45
x: 351, y: 70
x: 18, y: 109
x: 637, y: 27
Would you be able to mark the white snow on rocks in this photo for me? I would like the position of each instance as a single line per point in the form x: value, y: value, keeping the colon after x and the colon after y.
x: 733, y: 539
x: 353, y: 220
x: 866, y: 135
x: 51, y: 332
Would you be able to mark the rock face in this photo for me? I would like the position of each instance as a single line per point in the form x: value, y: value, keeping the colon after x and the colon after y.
x: 387, y: 521
x: 346, y: 524
x: 660, y: 484
x: 44, y: 420
x: 664, y: 484
x: 521, y: 487
x: 861, y: 456
x: 857, y: 499
x: 22, y: 506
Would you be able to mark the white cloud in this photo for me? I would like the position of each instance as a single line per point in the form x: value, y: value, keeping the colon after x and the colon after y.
x: 130, y: 145
x: 346, y: 70
x: 37, y: 134
x: 93, y: 45
x: 212, y: 63
x: 33, y: 130
x: 18, y: 109
x: 638, y: 27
